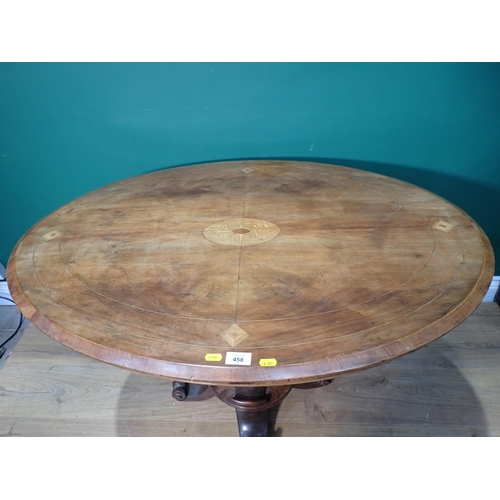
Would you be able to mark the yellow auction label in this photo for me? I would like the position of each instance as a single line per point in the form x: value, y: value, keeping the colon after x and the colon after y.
x: 213, y: 357
x: 268, y: 362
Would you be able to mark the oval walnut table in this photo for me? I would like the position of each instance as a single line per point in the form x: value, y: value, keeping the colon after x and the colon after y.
x: 245, y: 279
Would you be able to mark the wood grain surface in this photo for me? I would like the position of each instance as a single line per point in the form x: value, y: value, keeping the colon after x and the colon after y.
x: 315, y: 270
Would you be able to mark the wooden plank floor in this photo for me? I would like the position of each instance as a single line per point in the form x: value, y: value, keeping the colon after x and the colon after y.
x: 448, y: 388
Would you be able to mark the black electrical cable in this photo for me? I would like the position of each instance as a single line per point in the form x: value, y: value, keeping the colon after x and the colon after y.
x: 21, y: 321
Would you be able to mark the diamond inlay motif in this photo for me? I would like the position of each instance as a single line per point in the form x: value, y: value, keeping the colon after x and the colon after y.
x: 443, y: 226
x: 233, y: 335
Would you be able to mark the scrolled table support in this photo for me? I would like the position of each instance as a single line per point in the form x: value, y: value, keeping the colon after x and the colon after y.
x: 182, y: 391
x: 313, y: 385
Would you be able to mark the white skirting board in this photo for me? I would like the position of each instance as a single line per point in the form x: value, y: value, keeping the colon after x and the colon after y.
x: 5, y: 298
x: 492, y: 290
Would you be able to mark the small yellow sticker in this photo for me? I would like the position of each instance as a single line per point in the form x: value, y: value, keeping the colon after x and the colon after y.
x: 268, y: 362
x: 213, y: 357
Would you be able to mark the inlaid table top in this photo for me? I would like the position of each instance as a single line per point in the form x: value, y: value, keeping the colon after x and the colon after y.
x: 300, y: 271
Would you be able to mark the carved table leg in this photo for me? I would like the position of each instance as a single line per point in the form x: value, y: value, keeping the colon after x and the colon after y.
x: 182, y: 391
x: 252, y: 421
x: 252, y: 406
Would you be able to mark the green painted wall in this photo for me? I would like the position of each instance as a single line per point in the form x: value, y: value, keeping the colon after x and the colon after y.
x: 66, y: 129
